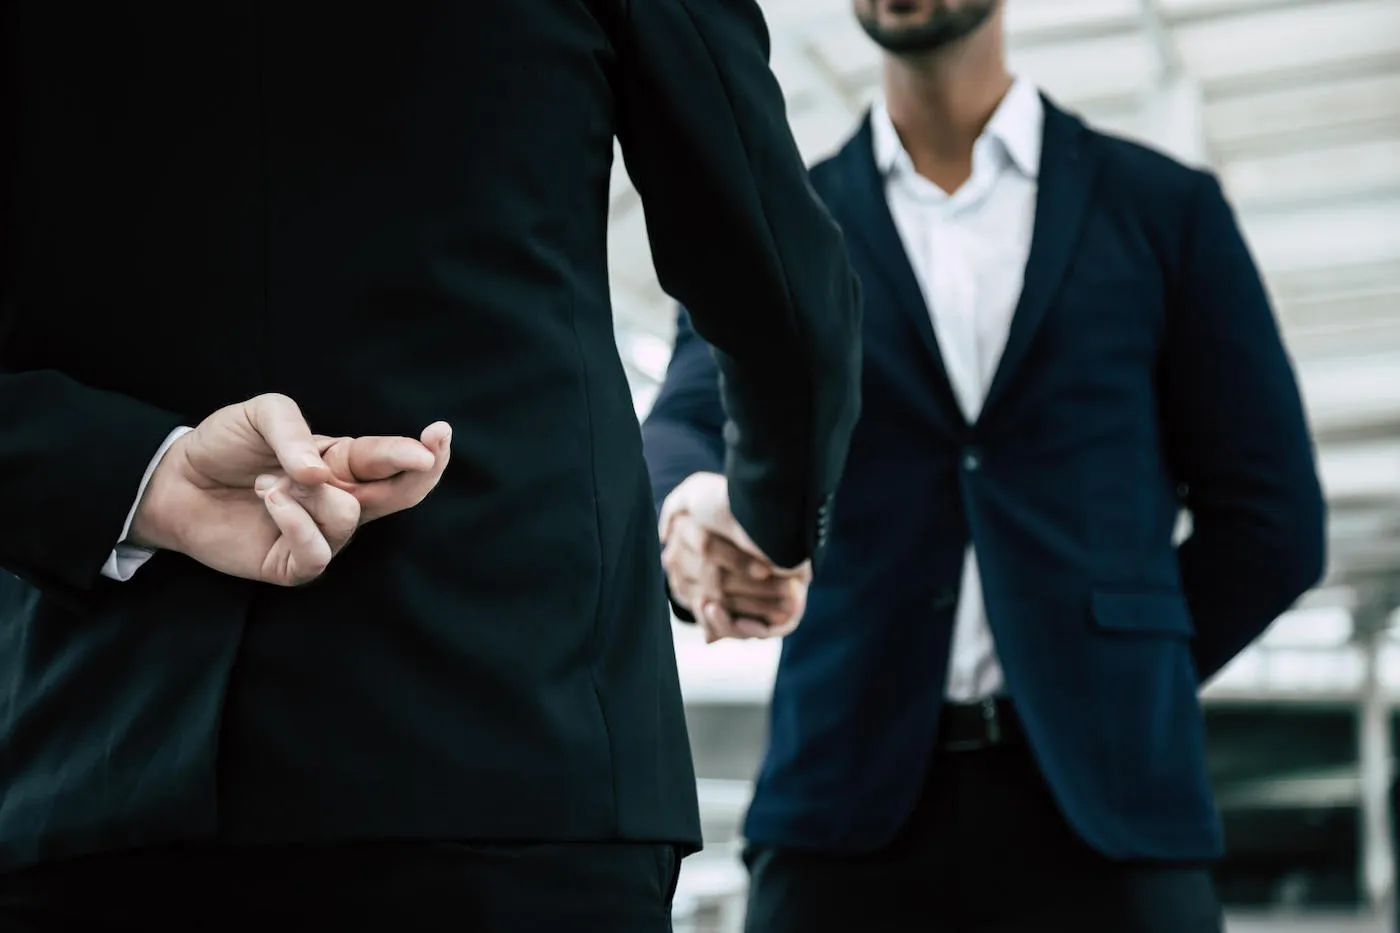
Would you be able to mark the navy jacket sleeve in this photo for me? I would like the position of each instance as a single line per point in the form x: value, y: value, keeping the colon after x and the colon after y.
x: 684, y: 433
x: 1238, y: 442
x: 741, y: 239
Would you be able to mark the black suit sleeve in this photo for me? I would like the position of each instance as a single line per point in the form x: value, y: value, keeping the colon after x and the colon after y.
x: 71, y: 461
x: 739, y: 236
x: 1238, y: 441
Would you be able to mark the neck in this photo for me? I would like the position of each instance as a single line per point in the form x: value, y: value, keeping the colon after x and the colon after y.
x: 940, y: 103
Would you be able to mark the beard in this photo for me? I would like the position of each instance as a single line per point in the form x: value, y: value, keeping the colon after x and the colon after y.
x: 940, y: 28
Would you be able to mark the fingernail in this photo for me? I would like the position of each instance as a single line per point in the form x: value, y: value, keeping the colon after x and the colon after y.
x: 312, y: 461
x: 265, y: 483
x: 758, y: 571
x: 275, y: 497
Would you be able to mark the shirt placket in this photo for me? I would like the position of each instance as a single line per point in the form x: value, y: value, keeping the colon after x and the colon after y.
x: 953, y: 311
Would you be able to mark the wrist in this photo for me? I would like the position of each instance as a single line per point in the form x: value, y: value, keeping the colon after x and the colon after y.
x: 155, y: 525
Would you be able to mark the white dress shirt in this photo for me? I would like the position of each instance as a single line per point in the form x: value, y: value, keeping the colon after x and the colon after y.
x: 969, y: 251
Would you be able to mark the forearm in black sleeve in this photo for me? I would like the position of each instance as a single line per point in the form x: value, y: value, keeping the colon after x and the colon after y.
x: 739, y: 236
x: 71, y: 461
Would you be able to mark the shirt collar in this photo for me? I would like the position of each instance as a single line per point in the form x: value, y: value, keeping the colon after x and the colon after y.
x: 1017, y: 125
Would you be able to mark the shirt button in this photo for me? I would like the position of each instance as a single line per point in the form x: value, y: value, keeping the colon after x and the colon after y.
x: 972, y: 460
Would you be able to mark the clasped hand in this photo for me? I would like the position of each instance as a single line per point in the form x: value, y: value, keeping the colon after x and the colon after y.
x: 716, y: 571
x: 253, y: 493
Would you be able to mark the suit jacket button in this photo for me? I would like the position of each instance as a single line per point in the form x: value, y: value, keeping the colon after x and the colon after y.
x: 972, y: 459
x: 946, y: 600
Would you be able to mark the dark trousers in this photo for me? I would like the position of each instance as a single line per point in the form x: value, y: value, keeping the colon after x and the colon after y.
x: 986, y: 851
x: 396, y: 888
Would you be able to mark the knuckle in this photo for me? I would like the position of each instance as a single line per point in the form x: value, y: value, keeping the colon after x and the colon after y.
x: 717, y: 548
x: 342, y: 509
x: 304, y: 533
x: 688, y: 531
x: 770, y: 589
x: 340, y: 535
x: 314, y: 568
x: 273, y: 400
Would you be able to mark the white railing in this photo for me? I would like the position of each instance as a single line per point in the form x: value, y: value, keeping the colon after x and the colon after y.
x: 711, y: 895
x: 713, y: 888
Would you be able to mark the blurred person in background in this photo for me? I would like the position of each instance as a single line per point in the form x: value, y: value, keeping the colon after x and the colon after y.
x: 228, y: 224
x: 988, y: 719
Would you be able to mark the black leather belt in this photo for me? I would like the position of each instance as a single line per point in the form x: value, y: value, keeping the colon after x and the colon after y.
x: 967, y: 727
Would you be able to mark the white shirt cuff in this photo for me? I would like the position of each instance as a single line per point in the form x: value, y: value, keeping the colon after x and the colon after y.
x: 125, y: 558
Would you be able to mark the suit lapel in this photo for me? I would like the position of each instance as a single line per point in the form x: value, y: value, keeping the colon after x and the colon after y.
x: 1064, y: 192
x: 864, y: 213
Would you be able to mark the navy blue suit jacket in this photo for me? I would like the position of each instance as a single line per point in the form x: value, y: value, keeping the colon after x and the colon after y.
x: 1144, y: 373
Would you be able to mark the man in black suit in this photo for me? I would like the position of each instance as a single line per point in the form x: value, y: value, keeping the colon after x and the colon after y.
x: 988, y: 717
x: 259, y: 220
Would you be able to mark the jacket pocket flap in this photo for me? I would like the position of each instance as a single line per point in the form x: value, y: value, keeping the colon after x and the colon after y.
x: 1165, y: 613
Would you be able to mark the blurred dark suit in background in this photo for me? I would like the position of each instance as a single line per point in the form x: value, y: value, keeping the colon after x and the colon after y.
x: 988, y: 717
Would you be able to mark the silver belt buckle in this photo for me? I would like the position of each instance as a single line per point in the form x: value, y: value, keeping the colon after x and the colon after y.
x: 991, y: 734
x: 992, y: 720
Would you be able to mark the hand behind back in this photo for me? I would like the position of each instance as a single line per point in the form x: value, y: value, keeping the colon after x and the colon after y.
x: 251, y: 492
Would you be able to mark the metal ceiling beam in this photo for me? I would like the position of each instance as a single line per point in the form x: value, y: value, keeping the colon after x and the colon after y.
x: 1359, y: 432
x: 1154, y: 25
x: 1240, y: 8
x: 1377, y: 430
x: 1363, y: 580
x: 1174, y: 108
x: 1329, y: 597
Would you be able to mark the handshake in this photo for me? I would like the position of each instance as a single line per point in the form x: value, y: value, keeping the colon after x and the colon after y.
x: 716, y: 571
x: 253, y: 493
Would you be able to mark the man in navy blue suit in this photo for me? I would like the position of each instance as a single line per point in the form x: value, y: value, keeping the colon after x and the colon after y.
x: 988, y: 719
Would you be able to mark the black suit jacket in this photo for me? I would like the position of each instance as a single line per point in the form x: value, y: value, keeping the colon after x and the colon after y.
x: 393, y: 215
